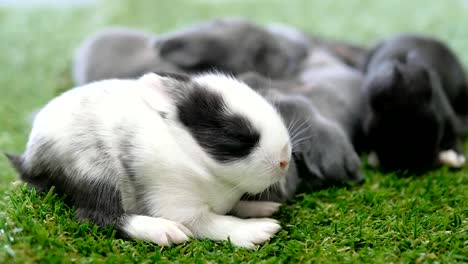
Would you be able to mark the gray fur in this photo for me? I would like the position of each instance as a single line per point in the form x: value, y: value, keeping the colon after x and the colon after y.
x: 231, y: 45
x: 331, y: 86
x: 131, y: 187
x: 321, y: 144
x: 296, y: 40
x: 118, y: 53
x: 322, y: 122
x: 275, y: 51
x: 278, y: 52
x: 99, y: 202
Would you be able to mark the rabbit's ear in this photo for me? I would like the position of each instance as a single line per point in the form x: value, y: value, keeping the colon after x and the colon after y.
x: 182, y: 52
x: 161, y: 91
x: 151, y: 79
x: 176, y: 76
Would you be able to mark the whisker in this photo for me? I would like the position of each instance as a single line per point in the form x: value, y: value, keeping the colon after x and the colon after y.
x: 303, y: 128
x: 299, y: 130
x: 264, y: 157
x: 301, y: 137
x: 293, y: 122
x: 297, y: 141
x: 295, y: 128
x: 296, y: 144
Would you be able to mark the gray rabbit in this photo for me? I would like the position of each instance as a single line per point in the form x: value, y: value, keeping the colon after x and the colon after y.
x: 118, y: 53
x: 323, y: 113
x: 231, y: 45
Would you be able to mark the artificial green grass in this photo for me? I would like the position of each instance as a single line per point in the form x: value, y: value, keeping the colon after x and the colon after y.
x: 416, y: 219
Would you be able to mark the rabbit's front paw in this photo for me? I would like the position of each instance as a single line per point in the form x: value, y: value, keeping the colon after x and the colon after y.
x: 157, y: 230
x: 253, y: 231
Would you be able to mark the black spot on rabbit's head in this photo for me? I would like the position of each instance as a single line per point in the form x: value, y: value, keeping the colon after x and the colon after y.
x: 225, y: 136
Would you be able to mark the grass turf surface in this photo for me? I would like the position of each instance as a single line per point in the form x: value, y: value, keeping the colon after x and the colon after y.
x: 388, y: 219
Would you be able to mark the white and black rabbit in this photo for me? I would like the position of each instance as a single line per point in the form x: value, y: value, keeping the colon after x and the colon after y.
x: 417, y: 100
x: 162, y: 158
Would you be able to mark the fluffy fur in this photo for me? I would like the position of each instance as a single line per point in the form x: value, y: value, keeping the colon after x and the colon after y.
x: 138, y: 154
x: 275, y: 51
x: 417, y: 99
x: 322, y: 110
x: 215, y: 45
x: 118, y: 53
x: 297, y: 41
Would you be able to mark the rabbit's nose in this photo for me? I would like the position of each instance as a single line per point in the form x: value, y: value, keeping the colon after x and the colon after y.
x: 285, y: 156
x: 283, y: 164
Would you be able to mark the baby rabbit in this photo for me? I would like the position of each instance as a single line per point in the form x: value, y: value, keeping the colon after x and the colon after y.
x: 300, y: 43
x: 416, y: 95
x: 335, y: 89
x: 322, y: 110
x: 118, y: 53
x: 275, y: 51
x: 208, y: 46
x: 231, y: 45
x: 162, y: 158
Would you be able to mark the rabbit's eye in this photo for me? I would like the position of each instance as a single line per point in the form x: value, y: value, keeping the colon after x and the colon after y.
x: 225, y: 136
x: 240, y: 135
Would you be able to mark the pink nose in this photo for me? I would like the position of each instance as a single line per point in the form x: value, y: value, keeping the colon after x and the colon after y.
x: 283, y: 164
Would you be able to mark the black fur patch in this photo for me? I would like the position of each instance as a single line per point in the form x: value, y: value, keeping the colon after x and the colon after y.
x: 225, y: 136
x: 406, y: 140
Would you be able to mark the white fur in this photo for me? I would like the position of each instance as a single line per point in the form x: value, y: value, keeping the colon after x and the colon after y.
x: 60, y: 116
x: 241, y: 232
x: 274, y: 135
x: 452, y: 159
x: 373, y: 160
x: 158, y: 230
x: 183, y: 183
